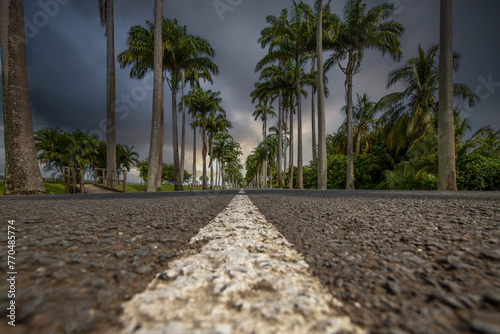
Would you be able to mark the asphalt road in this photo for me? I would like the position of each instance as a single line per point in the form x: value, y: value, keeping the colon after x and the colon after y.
x: 398, y: 262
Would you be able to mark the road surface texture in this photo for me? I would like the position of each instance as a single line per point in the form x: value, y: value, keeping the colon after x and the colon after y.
x: 416, y: 262
x: 212, y: 262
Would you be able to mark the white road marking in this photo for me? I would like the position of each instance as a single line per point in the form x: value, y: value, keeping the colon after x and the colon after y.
x: 246, y: 279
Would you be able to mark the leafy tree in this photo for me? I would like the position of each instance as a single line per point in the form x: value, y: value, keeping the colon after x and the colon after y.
x: 126, y: 157
x: 57, y: 148
x: 362, y: 29
x: 410, y: 113
x: 364, y: 112
x: 51, y: 144
x: 478, y: 172
x: 168, y: 172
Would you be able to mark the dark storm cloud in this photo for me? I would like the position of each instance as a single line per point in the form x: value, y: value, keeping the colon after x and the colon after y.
x: 67, y: 64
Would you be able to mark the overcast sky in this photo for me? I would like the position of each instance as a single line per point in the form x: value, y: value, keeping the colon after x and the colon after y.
x: 66, y: 56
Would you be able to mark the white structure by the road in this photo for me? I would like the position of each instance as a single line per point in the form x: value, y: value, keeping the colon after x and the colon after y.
x: 246, y: 279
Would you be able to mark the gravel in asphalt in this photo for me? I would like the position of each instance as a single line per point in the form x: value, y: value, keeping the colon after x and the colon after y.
x: 245, y: 279
x: 400, y: 262
x: 79, y: 257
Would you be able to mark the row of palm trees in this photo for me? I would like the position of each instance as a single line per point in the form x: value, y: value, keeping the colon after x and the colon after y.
x: 166, y: 48
x: 300, y: 36
x: 292, y: 41
x: 209, y: 116
x: 184, y: 57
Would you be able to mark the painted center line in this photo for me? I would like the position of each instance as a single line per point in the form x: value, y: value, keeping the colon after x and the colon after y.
x: 246, y: 279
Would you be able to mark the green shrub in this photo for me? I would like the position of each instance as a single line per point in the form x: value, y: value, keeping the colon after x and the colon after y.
x: 477, y: 172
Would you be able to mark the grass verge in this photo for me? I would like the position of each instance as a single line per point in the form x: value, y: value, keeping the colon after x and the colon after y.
x: 50, y: 187
x: 135, y: 188
x: 58, y: 188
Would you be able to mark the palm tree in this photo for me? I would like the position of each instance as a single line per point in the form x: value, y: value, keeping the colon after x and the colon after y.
x: 202, y: 103
x: 22, y: 173
x: 410, y: 113
x: 106, y: 9
x: 322, y: 160
x: 126, y: 157
x: 364, y: 112
x: 446, y: 136
x: 362, y: 29
x: 50, y: 144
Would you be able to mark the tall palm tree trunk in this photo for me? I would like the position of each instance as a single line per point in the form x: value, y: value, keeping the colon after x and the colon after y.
x: 350, y: 154
x: 204, y: 154
x: 322, y: 159
x: 300, y: 180
x: 313, y: 115
x: 177, y: 168
x: 22, y: 174
x: 270, y: 175
x: 258, y: 177
x: 194, y: 157
x: 154, y: 146
x: 110, y: 93
x: 285, y: 129
x: 280, y: 140
x: 183, y: 129
x: 211, y: 167
x: 216, y: 174
x: 290, y: 156
x: 223, y: 170
x: 264, y: 166
x: 446, y: 128
x: 160, y: 143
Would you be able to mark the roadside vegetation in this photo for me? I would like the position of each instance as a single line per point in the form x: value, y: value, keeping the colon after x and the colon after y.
x: 416, y: 138
x: 391, y: 143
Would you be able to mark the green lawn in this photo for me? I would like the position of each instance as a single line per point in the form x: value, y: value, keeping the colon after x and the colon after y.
x: 50, y: 187
x: 54, y: 188
x: 58, y: 188
x: 135, y: 188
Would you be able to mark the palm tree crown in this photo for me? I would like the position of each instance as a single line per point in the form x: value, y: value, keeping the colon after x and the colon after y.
x: 410, y: 112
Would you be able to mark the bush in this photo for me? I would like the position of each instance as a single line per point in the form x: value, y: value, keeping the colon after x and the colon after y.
x: 367, y: 171
x: 477, y: 172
